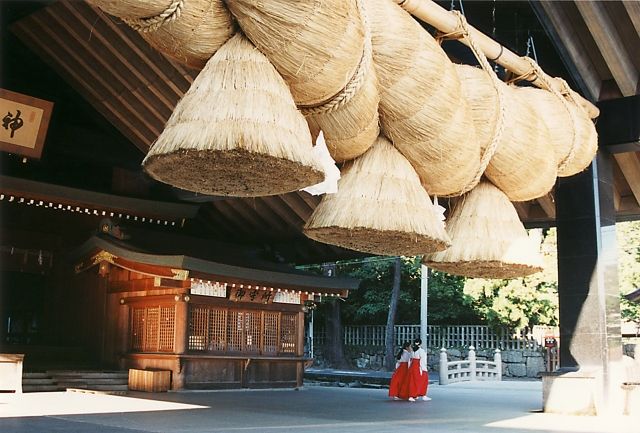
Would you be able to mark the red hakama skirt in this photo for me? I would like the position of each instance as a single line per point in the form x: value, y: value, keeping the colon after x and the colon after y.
x: 399, y: 386
x: 418, y: 382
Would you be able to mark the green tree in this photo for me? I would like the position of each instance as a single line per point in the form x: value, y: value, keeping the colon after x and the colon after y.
x: 370, y: 303
x: 520, y: 302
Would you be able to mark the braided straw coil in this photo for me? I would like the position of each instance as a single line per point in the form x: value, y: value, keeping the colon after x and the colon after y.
x: 572, y: 133
x: 380, y: 208
x: 489, y: 241
x: 421, y: 107
x: 236, y: 131
x: 322, y: 48
x: 189, y: 31
x: 521, y: 165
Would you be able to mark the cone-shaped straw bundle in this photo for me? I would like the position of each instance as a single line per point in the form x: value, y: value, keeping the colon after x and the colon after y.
x: 421, y: 108
x: 380, y: 208
x: 236, y: 131
x: 489, y: 241
x: 190, y: 31
x: 523, y: 163
x: 322, y: 49
x: 572, y: 133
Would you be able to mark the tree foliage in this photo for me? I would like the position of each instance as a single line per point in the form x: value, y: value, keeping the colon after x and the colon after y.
x: 369, y: 305
x: 520, y: 302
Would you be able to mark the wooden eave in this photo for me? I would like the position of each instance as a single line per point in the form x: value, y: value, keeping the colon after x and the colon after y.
x: 181, y: 267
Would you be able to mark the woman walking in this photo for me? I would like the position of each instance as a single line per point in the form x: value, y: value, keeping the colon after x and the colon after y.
x: 418, y: 376
x: 399, y: 386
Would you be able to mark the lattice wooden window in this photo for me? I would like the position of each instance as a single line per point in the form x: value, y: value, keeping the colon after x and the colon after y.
x: 198, y: 320
x: 235, y: 331
x: 217, y: 329
x: 137, y: 328
x: 288, y: 333
x: 167, y: 329
x: 153, y: 329
x: 252, y: 324
x: 270, y: 332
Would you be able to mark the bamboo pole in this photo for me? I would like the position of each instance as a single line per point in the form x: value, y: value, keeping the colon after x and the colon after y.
x: 447, y: 22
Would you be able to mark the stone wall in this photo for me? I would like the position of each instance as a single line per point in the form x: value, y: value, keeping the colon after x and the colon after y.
x: 515, y: 363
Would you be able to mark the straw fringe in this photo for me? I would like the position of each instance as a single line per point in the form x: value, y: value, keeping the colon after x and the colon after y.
x: 380, y: 208
x: 189, y: 31
x: 489, y: 241
x: 421, y: 108
x: 316, y: 45
x: 236, y: 131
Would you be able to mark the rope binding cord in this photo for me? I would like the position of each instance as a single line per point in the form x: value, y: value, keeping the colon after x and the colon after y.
x: 151, y: 24
x: 355, y: 82
x: 485, y: 158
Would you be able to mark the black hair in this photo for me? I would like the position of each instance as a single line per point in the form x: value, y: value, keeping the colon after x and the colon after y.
x: 416, y: 344
x: 405, y: 345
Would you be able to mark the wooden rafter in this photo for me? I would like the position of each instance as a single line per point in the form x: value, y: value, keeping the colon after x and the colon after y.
x: 611, y: 46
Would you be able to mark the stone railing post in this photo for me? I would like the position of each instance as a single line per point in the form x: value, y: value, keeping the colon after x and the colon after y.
x: 472, y: 363
x: 497, y: 358
x: 444, y: 367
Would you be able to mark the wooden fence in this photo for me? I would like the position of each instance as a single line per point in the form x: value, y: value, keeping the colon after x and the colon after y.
x: 480, y: 336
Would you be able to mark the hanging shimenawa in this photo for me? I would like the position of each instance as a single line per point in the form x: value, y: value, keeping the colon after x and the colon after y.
x: 522, y: 164
x: 236, y: 131
x: 489, y: 241
x: 380, y: 208
x: 322, y: 49
x: 421, y: 107
x: 189, y: 31
x: 573, y: 135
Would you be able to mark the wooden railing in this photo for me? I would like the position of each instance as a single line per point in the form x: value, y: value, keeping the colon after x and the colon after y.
x: 479, y: 336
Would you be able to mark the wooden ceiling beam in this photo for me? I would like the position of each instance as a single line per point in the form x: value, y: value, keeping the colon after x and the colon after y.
x: 630, y: 167
x: 547, y: 203
x: 633, y: 9
x: 522, y: 207
x: 604, y: 32
x: 284, y: 212
x: 265, y: 211
x: 263, y: 221
x: 298, y: 205
x: 127, y: 80
x: 231, y: 217
x: 311, y: 200
x: 556, y: 19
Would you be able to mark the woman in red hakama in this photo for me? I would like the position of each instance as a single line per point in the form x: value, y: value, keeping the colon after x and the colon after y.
x: 399, y: 386
x: 418, y: 376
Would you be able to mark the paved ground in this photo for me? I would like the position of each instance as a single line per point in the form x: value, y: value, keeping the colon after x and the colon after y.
x: 464, y: 407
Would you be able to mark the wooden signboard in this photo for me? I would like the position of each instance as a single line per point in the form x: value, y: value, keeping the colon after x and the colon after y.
x: 24, y: 123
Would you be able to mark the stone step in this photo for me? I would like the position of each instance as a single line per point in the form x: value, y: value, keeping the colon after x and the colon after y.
x: 39, y: 388
x: 38, y: 381
x: 33, y: 375
x: 95, y: 391
x: 90, y: 374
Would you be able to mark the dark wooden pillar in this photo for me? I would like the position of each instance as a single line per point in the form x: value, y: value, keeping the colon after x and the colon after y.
x: 590, y: 339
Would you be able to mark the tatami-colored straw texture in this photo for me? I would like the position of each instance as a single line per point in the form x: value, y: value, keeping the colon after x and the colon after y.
x: 323, y: 50
x: 524, y: 164
x: 190, y: 31
x: 572, y: 133
x: 489, y: 241
x: 380, y: 208
x: 316, y: 45
x: 236, y: 131
x: 421, y: 107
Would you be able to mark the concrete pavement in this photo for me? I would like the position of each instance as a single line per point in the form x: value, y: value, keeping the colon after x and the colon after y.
x: 507, y: 407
